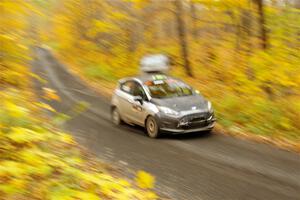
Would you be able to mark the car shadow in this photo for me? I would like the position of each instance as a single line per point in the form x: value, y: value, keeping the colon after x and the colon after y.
x: 167, y: 135
x: 187, y: 136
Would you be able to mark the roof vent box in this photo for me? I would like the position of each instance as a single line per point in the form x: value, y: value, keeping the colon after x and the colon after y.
x: 155, y: 63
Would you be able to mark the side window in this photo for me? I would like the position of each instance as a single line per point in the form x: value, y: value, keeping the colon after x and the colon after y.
x: 133, y: 88
x: 128, y: 87
x: 138, y: 90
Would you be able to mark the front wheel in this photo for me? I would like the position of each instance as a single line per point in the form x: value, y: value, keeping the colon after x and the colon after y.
x: 152, y: 127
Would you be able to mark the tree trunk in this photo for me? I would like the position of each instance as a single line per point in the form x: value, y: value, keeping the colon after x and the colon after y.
x: 194, y: 20
x: 262, y: 25
x: 297, y: 4
x: 182, y: 37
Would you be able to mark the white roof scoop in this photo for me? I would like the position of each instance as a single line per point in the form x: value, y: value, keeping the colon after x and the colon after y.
x: 155, y: 63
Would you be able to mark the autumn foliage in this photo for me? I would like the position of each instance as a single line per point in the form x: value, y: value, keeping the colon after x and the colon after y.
x: 243, y: 55
x: 38, y: 160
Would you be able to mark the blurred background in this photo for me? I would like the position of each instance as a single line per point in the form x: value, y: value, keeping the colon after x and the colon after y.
x: 243, y: 55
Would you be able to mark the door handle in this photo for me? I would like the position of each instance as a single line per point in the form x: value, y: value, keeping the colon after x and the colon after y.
x: 130, y: 101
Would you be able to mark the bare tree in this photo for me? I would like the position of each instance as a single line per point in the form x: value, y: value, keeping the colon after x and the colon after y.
x: 262, y: 23
x: 194, y: 19
x: 182, y: 37
x: 297, y: 4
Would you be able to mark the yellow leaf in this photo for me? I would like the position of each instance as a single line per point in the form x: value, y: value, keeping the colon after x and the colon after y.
x: 23, y: 135
x: 67, y: 138
x: 86, y: 195
x: 45, y: 106
x: 50, y: 94
x: 145, y: 180
x: 15, y: 111
x: 12, y: 168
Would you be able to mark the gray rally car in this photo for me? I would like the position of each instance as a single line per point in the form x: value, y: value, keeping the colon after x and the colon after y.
x: 161, y: 103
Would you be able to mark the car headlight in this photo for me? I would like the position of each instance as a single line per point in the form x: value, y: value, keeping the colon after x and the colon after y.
x: 168, y: 111
x: 209, y: 107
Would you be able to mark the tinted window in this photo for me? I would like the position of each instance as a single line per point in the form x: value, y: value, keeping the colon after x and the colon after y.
x: 128, y: 87
x: 133, y: 88
x: 168, y: 88
x: 138, y: 90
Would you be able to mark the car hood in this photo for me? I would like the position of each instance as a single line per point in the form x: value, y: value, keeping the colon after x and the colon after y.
x: 184, y: 103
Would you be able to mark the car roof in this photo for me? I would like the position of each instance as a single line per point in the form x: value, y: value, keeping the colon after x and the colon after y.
x: 151, y: 77
x: 148, y: 77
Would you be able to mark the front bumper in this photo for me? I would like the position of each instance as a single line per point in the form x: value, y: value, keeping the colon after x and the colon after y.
x: 177, y: 131
x: 192, y: 123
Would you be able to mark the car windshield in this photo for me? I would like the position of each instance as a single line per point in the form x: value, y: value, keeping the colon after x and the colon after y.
x: 168, y: 88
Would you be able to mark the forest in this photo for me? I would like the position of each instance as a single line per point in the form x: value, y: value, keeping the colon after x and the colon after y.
x: 38, y: 160
x: 243, y: 55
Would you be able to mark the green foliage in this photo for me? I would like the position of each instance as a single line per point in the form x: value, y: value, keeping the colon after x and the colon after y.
x: 99, y: 72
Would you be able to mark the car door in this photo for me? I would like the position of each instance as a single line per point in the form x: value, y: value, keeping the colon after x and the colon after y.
x: 137, y: 107
x: 126, y: 99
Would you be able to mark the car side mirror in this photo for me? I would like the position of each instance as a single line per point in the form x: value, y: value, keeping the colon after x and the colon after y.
x: 139, y: 99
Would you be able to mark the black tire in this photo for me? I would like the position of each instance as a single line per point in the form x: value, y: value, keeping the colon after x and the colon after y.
x: 116, y: 117
x: 152, y: 127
